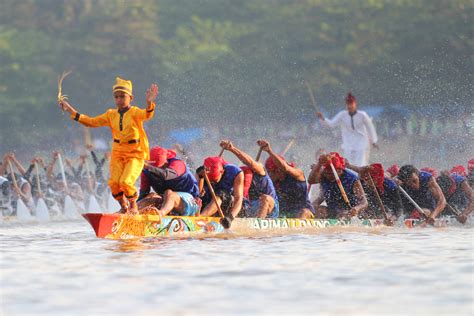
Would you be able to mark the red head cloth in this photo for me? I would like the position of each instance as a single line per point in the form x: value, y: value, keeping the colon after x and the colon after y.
x: 377, y: 174
x: 270, y: 164
x: 159, y: 156
x: 459, y: 170
x: 470, y: 165
x: 433, y: 171
x: 337, y: 161
x: 393, y: 170
x: 350, y: 98
x: 215, y: 167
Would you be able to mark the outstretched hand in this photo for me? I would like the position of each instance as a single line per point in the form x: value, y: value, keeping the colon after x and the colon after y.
x: 152, y: 93
x: 226, y: 144
x: 265, y: 145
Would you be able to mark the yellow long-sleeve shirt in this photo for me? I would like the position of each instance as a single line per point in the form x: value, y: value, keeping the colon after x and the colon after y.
x: 129, y: 137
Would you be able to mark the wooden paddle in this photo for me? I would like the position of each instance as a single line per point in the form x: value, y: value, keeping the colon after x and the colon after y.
x: 339, y: 184
x: 12, y: 173
x: 63, y: 174
x: 311, y: 95
x: 22, y: 211
x: 201, y: 181
x: 418, y: 208
x: 38, y: 179
x: 213, y: 194
x: 42, y: 211
x: 290, y: 144
x: 257, y: 158
x: 453, y: 209
x: 379, y: 200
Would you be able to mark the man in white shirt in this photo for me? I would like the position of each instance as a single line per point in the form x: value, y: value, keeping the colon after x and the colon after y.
x: 358, y: 132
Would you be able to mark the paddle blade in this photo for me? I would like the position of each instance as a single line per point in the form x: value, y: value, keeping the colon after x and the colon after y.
x: 42, y: 212
x: 70, y: 208
x: 22, y: 211
x: 93, y: 205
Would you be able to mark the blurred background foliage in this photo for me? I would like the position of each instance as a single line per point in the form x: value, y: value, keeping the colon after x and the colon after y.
x: 219, y: 61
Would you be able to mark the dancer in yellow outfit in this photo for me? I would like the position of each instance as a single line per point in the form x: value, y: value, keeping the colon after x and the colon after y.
x: 130, y: 143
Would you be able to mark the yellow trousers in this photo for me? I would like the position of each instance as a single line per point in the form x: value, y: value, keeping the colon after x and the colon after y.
x: 124, y: 172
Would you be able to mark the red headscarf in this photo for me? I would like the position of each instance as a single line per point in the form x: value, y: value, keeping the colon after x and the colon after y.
x: 160, y: 156
x: 433, y: 171
x: 350, y: 98
x: 270, y: 164
x: 459, y: 170
x: 215, y: 166
x: 393, y: 170
x: 337, y: 161
x: 377, y: 174
x: 470, y: 165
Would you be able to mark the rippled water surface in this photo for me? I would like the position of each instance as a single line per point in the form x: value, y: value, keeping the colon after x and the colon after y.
x: 61, y: 268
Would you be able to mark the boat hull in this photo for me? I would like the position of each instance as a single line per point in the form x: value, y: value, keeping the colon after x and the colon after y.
x: 119, y: 226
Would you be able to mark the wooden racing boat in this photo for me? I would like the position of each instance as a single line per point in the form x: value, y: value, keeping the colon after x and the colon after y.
x: 120, y: 226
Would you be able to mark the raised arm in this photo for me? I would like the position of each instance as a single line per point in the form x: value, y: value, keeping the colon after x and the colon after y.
x: 17, y: 164
x: 330, y: 123
x: 148, y: 113
x: 49, y: 172
x: 97, y: 121
x: 281, y: 163
x: 256, y: 166
x: 438, y: 196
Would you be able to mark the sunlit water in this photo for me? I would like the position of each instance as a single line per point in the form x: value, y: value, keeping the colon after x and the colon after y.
x: 63, y: 269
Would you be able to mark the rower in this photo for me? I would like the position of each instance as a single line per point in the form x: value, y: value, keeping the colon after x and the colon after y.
x: 227, y: 180
x: 470, y: 170
x: 290, y: 184
x: 387, y: 189
x: 459, y: 195
x: 424, y: 190
x: 337, y: 207
x: 171, y: 178
x: 260, y: 197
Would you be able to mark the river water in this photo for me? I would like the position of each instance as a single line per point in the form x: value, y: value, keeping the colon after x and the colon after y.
x: 61, y: 268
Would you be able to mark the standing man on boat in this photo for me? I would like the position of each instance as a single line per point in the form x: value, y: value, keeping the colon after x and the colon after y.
x: 331, y: 193
x: 130, y: 142
x: 290, y: 183
x: 261, y: 198
x: 227, y: 180
x: 170, y: 177
x: 423, y: 189
x: 358, y: 131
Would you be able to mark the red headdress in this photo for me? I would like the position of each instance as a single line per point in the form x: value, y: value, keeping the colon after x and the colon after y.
x: 350, y: 98
x: 377, y: 174
x: 393, y: 170
x: 459, y: 170
x: 215, y: 167
x: 470, y: 165
x: 337, y: 161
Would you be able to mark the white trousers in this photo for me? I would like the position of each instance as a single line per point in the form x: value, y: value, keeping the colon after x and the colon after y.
x: 357, y: 158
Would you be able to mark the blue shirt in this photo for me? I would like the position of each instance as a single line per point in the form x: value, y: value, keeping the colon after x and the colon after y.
x: 333, y: 195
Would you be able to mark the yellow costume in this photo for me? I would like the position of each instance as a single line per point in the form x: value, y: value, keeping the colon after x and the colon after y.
x: 130, y: 143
